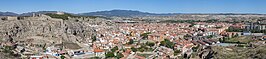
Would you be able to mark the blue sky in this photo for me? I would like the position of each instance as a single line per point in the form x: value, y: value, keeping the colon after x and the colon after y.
x: 155, y: 6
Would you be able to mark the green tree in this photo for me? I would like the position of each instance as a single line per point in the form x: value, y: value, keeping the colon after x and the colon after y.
x: 62, y: 57
x: 109, y: 54
x: 141, y: 49
x: 66, y: 15
x: 131, y: 41
x: 211, y: 21
x: 232, y: 29
x: 177, y: 52
x: 93, y: 38
x: 210, y: 36
x: 8, y: 49
x: 167, y: 43
x: 195, y: 48
x: 114, y: 49
x: 119, y: 55
x: 95, y: 57
x: 145, y: 35
x: 133, y: 49
x: 150, y: 44
x: 236, y: 35
x: 192, y: 24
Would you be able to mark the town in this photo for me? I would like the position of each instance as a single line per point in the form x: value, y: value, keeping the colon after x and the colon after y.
x: 54, y: 36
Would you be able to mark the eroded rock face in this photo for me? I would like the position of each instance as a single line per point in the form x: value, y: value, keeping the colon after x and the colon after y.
x: 45, y: 31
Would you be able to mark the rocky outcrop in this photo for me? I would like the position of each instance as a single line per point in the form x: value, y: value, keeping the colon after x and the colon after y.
x: 46, y: 30
x: 205, y: 52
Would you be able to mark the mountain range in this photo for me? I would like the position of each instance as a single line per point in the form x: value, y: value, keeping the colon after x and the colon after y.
x: 121, y: 13
x: 7, y: 14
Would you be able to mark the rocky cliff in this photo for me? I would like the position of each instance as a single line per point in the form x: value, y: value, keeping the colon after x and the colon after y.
x: 47, y: 30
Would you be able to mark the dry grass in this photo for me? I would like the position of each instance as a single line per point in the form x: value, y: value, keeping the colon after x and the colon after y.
x: 240, y: 52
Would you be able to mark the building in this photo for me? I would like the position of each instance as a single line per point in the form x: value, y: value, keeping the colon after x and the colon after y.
x: 246, y: 33
x: 36, y: 57
x: 99, y: 52
x: 253, y: 26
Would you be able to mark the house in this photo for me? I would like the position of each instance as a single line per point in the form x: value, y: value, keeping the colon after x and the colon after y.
x: 203, y: 43
x: 246, y: 33
x: 99, y: 52
x: 257, y: 34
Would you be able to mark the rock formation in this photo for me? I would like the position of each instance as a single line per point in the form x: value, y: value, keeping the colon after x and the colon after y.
x: 44, y: 29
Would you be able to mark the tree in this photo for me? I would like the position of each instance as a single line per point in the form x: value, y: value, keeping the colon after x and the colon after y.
x: 66, y: 15
x: 119, y: 55
x: 187, y: 35
x: 167, y: 43
x: 192, y: 24
x: 133, y: 49
x: 162, y: 43
x: 150, y: 44
x: 95, y: 57
x: 109, y: 54
x: 211, y: 20
x: 7, y: 49
x: 210, y: 36
x: 145, y: 35
x: 114, y: 49
x: 131, y: 41
x: 93, y: 38
x: 23, y: 50
x: 176, y: 52
x: 232, y: 29
x: 141, y: 49
x: 236, y: 35
x: 62, y: 57
x: 195, y: 48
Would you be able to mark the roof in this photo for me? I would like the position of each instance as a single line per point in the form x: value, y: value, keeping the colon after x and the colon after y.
x: 98, y: 50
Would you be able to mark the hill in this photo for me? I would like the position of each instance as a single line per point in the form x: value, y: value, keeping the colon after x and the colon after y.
x: 8, y: 14
x: 121, y: 13
x: 118, y: 13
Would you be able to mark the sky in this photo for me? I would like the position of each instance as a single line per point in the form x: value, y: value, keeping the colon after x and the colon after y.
x: 153, y: 6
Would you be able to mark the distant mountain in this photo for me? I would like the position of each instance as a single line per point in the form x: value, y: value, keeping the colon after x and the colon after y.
x: 118, y: 13
x: 122, y: 13
x: 8, y: 14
